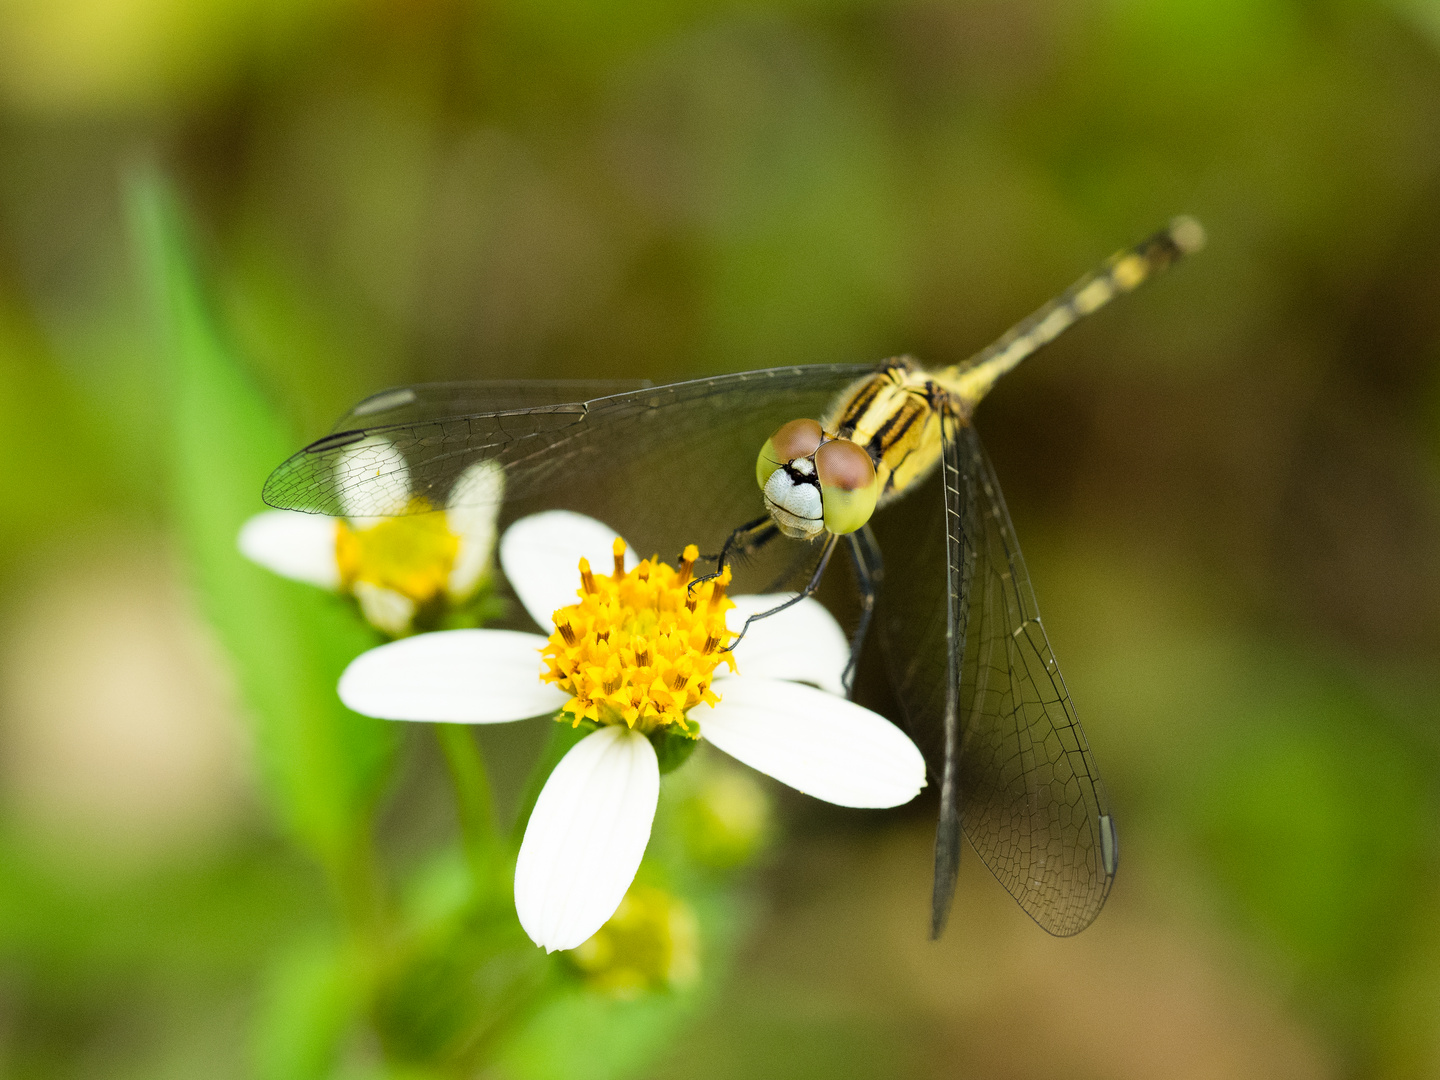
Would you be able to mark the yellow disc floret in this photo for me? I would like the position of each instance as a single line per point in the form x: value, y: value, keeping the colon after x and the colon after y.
x: 640, y: 648
x: 651, y: 943
x: 411, y: 554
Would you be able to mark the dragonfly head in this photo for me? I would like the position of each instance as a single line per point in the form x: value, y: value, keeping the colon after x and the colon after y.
x: 815, y: 483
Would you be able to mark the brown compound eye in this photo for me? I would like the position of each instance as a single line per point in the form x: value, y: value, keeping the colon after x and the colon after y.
x: 848, y: 485
x: 797, y: 439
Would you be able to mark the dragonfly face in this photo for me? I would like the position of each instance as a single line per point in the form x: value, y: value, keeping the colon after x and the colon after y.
x: 814, y: 482
x: 881, y: 438
x: 968, y: 658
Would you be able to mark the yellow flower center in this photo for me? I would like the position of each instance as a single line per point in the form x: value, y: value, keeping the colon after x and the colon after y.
x: 412, y: 554
x: 640, y: 648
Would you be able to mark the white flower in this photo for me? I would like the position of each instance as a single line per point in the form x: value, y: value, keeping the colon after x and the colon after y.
x: 588, y: 831
x: 395, y: 566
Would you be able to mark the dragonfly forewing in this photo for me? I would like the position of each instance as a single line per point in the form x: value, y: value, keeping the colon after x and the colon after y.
x: 425, y: 402
x: 960, y: 560
x: 663, y: 465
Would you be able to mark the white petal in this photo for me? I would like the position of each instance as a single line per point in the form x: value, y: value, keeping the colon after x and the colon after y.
x: 817, y: 743
x: 388, y: 611
x: 803, y: 643
x: 541, y: 557
x: 472, y: 508
x: 481, y: 488
x: 294, y: 545
x: 454, y: 676
x: 586, y: 836
x: 386, y: 477
x: 472, y: 560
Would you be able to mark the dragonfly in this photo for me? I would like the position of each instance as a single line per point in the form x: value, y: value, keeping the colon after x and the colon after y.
x: 873, y: 458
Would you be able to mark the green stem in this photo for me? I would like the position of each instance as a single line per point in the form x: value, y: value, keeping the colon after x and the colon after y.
x: 472, y: 799
x: 356, y: 881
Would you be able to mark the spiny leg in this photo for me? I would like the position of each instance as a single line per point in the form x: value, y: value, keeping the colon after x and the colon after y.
x: 813, y: 584
x: 869, y: 573
x: 747, y: 539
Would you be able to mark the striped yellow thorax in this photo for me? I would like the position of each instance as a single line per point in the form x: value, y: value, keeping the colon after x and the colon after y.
x: 894, y: 416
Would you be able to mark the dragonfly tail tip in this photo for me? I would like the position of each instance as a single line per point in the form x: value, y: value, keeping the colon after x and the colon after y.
x: 939, y: 916
x: 1187, y: 234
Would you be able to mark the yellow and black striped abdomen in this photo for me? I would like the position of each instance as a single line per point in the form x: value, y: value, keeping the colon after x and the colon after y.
x: 895, y: 413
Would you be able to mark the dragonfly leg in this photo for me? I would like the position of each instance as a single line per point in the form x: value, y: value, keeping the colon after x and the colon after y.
x: 746, y: 540
x: 869, y: 573
x: 810, y: 587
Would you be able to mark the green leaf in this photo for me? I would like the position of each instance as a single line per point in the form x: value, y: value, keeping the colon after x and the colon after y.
x: 451, y: 989
x: 323, y: 764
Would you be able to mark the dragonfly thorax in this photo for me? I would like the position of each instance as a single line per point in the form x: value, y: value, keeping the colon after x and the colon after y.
x: 895, y: 415
x: 815, y: 483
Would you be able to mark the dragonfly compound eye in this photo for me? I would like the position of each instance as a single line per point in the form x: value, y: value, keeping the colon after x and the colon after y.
x: 847, y: 485
x: 797, y: 439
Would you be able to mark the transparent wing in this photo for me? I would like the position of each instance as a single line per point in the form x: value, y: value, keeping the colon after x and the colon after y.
x: 402, y: 405
x: 929, y: 546
x: 1015, y: 770
x: 665, y: 465
x: 1031, y: 799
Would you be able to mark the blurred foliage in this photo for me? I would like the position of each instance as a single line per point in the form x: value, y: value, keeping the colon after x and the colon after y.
x: 1228, y: 487
x: 289, y: 643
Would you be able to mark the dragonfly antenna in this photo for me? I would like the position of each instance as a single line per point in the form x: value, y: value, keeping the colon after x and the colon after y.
x: 1121, y: 273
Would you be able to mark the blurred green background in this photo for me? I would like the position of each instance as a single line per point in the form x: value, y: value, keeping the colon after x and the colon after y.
x: 1228, y: 485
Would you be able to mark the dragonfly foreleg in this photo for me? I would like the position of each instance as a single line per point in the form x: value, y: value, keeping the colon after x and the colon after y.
x: 746, y: 540
x: 869, y: 573
x: 810, y: 588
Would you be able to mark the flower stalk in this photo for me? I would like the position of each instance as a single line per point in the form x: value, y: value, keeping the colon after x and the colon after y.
x: 474, y: 803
